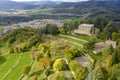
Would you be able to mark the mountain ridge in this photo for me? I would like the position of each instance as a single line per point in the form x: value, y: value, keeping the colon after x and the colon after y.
x: 7, y: 4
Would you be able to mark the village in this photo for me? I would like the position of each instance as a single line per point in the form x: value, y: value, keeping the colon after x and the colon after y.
x: 79, y: 37
x: 33, y: 24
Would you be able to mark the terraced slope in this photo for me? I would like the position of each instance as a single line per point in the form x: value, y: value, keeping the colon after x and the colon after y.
x: 16, y: 73
x: 12, y: 64
x: 73, y: 40
x: 11, y: 61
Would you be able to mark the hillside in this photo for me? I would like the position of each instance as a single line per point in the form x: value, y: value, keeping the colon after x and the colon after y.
x: 58, y: 10
x: 52, y: 53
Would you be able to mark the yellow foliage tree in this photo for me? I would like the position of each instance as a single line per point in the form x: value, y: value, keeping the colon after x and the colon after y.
x: 44, y: 63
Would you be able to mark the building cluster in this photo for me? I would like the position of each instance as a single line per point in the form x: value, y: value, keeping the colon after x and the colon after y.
x: 33, y: 24
x: 39, y: 23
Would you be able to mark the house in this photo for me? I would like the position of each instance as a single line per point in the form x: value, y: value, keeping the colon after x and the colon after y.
x: 85, y: 29
x: 101, y: 45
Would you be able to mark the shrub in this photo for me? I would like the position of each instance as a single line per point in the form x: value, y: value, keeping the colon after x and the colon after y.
x: 74, y: 65
x: 59, y: 65
x: 26, y: 69
x: 60, y: 76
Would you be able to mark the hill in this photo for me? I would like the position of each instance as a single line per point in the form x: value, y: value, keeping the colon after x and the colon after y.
x: 60, y: 10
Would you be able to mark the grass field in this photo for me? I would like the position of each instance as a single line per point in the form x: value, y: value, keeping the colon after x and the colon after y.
x: 70, y: 39
x: 16, y: 73
x: 12, y: 59
x: 96, y: 56
x: 84, y: 37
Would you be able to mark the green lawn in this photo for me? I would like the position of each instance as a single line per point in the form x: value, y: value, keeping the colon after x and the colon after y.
x: 84, y: 37
x: 16, y: 73
x: 79, y: 36
x: 12, y: 59
x: 96, y: 56
x: 69, y: 39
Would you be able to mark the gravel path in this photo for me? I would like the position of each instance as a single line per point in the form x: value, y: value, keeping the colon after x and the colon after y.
x: 67, y: 73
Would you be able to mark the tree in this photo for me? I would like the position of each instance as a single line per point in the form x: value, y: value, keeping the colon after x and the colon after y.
x: 115, y: 74
x: 99, y: 74
x: 59, y: 65
x: 45, y: 50
x: 35, y: 53
x: 51, y: 29
x: 100, y: 22
x: 108, y: 61
x: 113, y: 59
x: 80, y: 73
x: 44, y: 63
x: 60, y: 76
x: 33, y: 77
x: 89, y: 75
x: 62, y: 31
x: 107, y: 51
x: 72, y: 53
x: 118, y: 53
x: 109, y: 29
x: 11, y: 40
x: 115, y: 36
x: 74, y: 65
x: 26, y: 69
x: 89, y: 45
x: 69, y: 56
x: 97, y: 32
x: 33, y: 40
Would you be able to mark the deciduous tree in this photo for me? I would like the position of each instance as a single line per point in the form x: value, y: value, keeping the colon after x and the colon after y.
x: 59, y: 65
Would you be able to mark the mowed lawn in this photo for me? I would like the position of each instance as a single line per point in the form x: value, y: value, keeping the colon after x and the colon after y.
x: 84, y: 37
x: 16, y: 73
x: 79, y: 36
x: 70, y: 39
x: 11, y: 61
